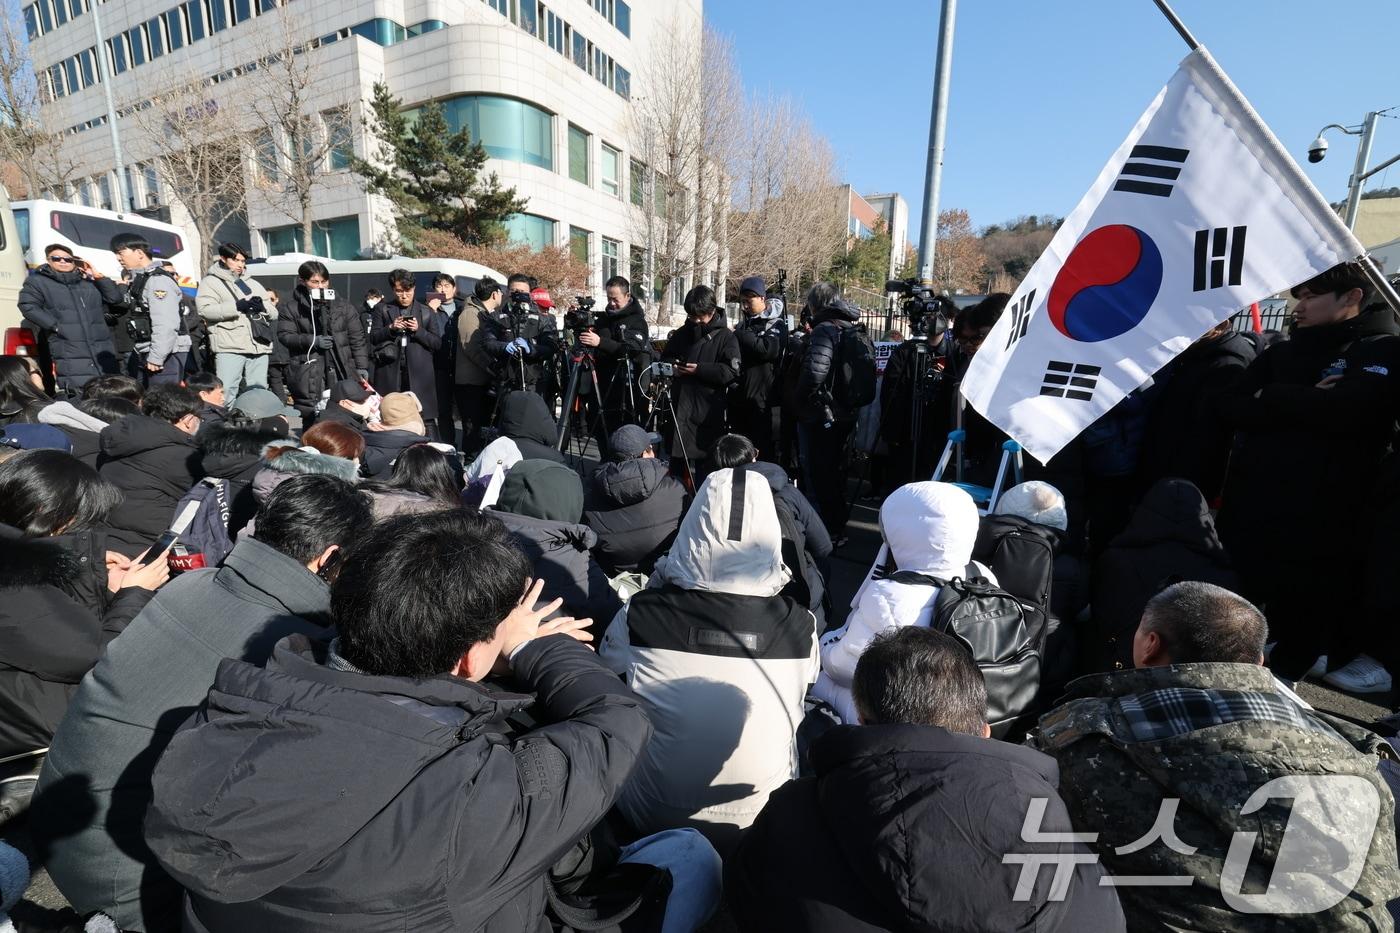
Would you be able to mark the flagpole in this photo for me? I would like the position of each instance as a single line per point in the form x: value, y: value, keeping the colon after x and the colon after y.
x: 1368, y: 265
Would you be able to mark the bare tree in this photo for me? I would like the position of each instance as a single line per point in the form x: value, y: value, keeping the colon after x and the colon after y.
x: 196, y: 143
x: 293, y: 135
x: 27, y: 137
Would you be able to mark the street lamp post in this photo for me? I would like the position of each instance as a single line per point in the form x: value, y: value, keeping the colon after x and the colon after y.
x: 933, y: 175
x: 105, y: 69
x: 1367, y: 131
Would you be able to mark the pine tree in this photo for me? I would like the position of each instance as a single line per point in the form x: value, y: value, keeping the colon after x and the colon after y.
x: 433, y: 176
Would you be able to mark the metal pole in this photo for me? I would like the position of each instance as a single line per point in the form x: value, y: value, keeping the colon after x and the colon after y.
x: 943, y: 72
x: 1177, y: 24
x: 1358, y: 171
x: 105, y: 67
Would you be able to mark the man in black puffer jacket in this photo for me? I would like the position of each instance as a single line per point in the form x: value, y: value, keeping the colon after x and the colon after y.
x: 526, y: 420
x: 706, y: 356
x: 919, y: 783
x: 823, y: 426
x: 67, y: 306
x: 619, y: 336
x: 153, y: 459
x: 324, y: 341
x: 633, y: 504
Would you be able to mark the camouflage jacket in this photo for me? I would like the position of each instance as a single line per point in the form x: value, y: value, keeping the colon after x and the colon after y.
x: 1200, y: 745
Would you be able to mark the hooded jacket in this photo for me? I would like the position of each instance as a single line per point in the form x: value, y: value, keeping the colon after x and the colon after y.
x: 930, y: 528
x: 635, y: 507
x: 69, y: 310
x: 56, y: 614
x: 721, y: 661
x: 1128, y: 741
x: 234, y: 453
x: 382, y: 448
x: 154, y: 464
x: 700, y: 399
x: 488, y: 472
x: 302, y: 791
x: 541, y: 502
x: 121, y: 719
x: 525, y: 419
x: 1170, y: 538
x: 910, y: 824
x: 814, y: 380
x: 297, y: 330
x: 83, y: 430
x: 217, y: 300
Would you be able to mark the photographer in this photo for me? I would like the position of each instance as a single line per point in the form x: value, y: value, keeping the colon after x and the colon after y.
x: 762, y: 336
x: 323, y: 337
x: 519, y: 337
x: 982, y: 449
x: 406, y: 338
x: 64, y: 303
x: 706, y: 357
x: 909, y: 415
x: 156, y: 325
x: 241, y: 321
x: 617, y: 336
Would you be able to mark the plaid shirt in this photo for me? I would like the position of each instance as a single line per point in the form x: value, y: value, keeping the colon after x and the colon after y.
x: 1173, y: 711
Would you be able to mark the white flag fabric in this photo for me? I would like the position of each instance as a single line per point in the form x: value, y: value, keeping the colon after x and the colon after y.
x: 1198, y: 214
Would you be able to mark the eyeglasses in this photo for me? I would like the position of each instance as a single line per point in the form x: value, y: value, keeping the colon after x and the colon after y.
x: 60, y: 259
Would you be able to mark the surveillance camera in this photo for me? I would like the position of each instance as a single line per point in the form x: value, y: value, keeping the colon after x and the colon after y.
x: 1318, y: 150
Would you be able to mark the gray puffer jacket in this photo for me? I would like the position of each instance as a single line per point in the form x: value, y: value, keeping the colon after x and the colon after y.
x: 217, y: 300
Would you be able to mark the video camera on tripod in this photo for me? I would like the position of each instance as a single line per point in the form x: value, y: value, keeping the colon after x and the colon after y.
x: 928, y: 312
x: 581, y: 316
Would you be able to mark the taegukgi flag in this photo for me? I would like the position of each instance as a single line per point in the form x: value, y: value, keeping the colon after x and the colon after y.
x: 1199, y: 213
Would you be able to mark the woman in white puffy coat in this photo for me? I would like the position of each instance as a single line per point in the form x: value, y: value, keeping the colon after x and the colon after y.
x: 929, y: 528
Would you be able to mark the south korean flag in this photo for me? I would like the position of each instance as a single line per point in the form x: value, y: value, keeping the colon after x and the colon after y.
x: 1198, y: 214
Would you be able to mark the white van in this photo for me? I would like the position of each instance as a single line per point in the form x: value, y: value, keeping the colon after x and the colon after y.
x: 19, y: 340
x: 351, y: 278
x: 88, y: 232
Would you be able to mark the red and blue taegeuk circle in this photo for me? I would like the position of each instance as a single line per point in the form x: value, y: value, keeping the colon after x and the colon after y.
x: 1107, y: 285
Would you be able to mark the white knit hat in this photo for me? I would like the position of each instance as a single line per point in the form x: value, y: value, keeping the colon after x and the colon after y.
x: 1035, y: 502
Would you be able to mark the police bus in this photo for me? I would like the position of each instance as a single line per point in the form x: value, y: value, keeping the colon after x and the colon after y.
x: 87, y: 233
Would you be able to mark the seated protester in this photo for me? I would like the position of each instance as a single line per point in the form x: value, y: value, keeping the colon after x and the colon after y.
x: 806, y: 542
x: 929, y: 528
x: 233, y: 451
x: 525, y: 419
x: 400, y: 425
x: 721, y: 661
x: 349, y: 404
x: 21, y: 399
x: 271, y: 586
x: 430, y: 471
x: 113, y: 385
x: 488, y: 471
x: 1202, y: 725
x: 82, y: 422
x: 260, y: 405
x: 326, y: 450
x: 633, y: 504
x: 389, y: 728
x: 153, y: 459
x: 1170, y: 538
x: 911, y: 815
x: 541, y: 503
x: 211, y: 393
x: 63, y: 596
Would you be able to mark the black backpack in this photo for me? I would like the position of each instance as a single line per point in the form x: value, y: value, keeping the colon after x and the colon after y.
x: 991, y: 624
x: 1021, y: 555
x: 854, y: 385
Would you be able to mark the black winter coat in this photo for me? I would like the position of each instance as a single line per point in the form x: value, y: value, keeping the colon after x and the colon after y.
x: 814, y: 381
x: 622, y: 334
x: 807, y: 549
x: 635, y: 508
x: 1186, y: 436
x: 561, y: 553
x: 909, y: 825
x: 761, y: 344
x: 422, y: 349
x: 154, y: 464
x: 525, y: 419
x: 297, y: 330
x: 498, y: 328
x: 700, y: 399
x: 1171, y: 538
x: 391, y: 803
x: 382, y: 448
x: 56, y: 616
x: 69, y: 311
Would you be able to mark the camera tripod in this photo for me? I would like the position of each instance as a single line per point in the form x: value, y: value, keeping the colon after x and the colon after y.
x: 582, y: 365
x: 662, y: 401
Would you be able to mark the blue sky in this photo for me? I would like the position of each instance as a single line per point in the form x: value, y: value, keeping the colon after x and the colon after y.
x: 1043, y: 91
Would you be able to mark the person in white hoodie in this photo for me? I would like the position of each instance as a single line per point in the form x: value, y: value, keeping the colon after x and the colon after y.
x: 929, y: 528
x: 721, y: 662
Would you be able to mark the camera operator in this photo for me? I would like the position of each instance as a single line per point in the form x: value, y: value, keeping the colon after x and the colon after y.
x: 406, y: 338
x: 519, y: 337
x: 323, y: 338
x: 238, y: 314
x: 618, y: 337
x: 706, y: 357
x: 909, y: 416
x: 762, y: 335
x: 982, y: 449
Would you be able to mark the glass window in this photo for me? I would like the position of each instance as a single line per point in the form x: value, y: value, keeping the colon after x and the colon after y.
x: 623, y: 18
x: 639, y: 182
x: 500, y: 6
x: 554, y: 32
x: 31, y: 21
x: 528, y: 19
x: 152, y: 182
x: 60, y: 10
x: 678, y: 289
x: 86, y: 64
x: 340, y: 138
x: 658, y: 195
x: 45, y: 15
x: 242, y: 10
x: 116, y: 47
x: 194, y: 18
x: 622, y: 82
x: 70, y: 72
x: 509, y: 129
x: 609, y: 171
x: 77, y: 7
x: 22, y: 220
x: 428, y: 25
x: 266, y: 149
x: 175, y: 25
x: 580, y: 51
x: 612, y: 249
x: 157, y: 37
x: 337, y: 238
x: 138, y: 47
x: 578, y: 244
x: 266, y: 6
x: 218, y: 15
x: 578, y: 154
x: 638, y: 270
x: 530, y: 230
x: 97, y: 232
x: 380, y: 31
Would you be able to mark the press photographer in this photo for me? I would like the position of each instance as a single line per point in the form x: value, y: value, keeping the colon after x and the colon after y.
x: 762, y: 334
x: 618, y: 339
x: 519, y: 337
x: 323, y: 337
x: 909, y: 417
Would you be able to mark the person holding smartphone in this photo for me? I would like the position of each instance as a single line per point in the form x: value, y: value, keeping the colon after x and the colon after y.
x: 64, y: 304
x: 406, y: 338
x: 323, y: 337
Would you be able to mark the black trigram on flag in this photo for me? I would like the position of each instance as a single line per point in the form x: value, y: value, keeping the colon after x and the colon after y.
x: 1020, y: 318
x: 1144, y: 172
x: 1219, y: 257
x: 1071, y: 380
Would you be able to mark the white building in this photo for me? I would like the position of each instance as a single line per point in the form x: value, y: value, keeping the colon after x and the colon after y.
x: 895, y: 212
x: 544, y: 84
